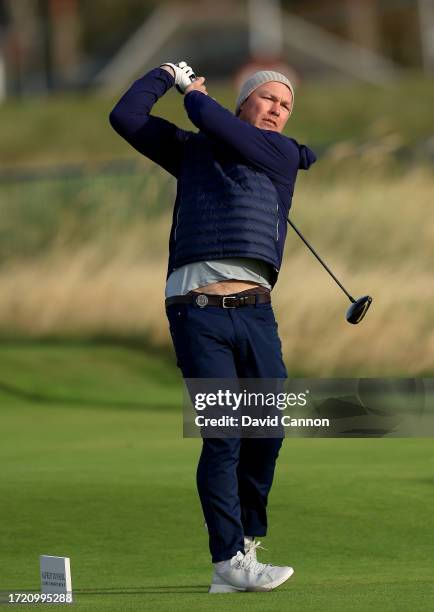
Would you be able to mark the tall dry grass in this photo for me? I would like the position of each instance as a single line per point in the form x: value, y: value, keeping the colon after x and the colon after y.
x: 374, y: 228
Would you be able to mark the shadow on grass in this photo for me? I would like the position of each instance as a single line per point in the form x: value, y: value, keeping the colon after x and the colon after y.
x: 138, y: 342
x: 166, y: 373
x: 76, y: 401
x: 138, y: 590
x: 141, y: 590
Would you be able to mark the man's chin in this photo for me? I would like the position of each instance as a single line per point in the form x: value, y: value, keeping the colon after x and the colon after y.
x: 268, y: 125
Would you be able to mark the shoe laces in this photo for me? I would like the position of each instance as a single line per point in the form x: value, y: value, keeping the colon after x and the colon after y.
x: 249, y: 562
x: 254, y: 545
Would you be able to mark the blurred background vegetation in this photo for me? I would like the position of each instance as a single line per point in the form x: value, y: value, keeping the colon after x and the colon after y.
x: 84, y: 220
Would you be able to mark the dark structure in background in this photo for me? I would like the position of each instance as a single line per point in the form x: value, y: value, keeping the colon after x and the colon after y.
x: 41, y: 45
x: 50, y: 45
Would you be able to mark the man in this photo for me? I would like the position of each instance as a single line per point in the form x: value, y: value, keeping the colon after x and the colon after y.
x: 235, y: 179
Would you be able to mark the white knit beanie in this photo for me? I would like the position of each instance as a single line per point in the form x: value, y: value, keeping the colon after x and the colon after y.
x: 259, y: 78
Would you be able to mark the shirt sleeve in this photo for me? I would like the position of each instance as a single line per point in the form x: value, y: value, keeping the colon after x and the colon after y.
x: 275, y: 154
x: 154, y: 137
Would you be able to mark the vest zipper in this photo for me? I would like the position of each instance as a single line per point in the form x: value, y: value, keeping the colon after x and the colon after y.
x: 176, y: 226
x: 277, y: 224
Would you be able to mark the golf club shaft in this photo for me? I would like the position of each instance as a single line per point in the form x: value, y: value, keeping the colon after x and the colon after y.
x: 321, y: 261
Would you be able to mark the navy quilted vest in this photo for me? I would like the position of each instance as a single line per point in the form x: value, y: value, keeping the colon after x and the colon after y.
x: 224, y: 208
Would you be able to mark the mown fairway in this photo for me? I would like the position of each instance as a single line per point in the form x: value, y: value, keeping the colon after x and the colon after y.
x: 93, y: 466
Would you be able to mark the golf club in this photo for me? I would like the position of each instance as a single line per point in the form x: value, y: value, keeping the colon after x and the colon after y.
x: 359, y: 307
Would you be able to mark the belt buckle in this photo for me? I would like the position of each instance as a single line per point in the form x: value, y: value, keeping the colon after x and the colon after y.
x: 228, y: 297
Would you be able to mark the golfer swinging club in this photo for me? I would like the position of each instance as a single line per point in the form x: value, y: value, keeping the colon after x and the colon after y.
x: 235, y: 181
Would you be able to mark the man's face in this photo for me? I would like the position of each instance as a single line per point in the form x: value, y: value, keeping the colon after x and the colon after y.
x: 268, y: 106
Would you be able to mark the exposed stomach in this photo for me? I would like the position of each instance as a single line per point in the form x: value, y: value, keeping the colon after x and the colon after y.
x: 226, y: 287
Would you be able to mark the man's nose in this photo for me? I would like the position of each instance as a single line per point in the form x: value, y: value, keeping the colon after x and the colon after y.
x: 275, y: 109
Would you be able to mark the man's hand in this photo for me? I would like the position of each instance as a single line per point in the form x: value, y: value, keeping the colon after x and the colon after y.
x: 182, y: 73
x: 197, y: 85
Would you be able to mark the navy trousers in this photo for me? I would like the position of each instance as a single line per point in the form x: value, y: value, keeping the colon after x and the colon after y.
x: 234, y: 476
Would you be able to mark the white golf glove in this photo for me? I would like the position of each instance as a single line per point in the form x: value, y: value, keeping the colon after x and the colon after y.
x: 184, y: 75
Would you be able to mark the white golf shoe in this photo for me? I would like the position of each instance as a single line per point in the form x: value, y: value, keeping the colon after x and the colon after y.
x: 245, y: 573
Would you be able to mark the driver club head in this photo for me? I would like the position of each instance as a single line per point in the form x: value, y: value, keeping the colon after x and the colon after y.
x: 357, y: 310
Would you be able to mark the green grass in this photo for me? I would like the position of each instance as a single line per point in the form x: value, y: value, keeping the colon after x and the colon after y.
x: 85, y: 373
x: 75, y: 127
x: 93, y: 466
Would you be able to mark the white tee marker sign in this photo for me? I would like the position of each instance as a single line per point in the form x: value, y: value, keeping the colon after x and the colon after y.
x: 55, y: 574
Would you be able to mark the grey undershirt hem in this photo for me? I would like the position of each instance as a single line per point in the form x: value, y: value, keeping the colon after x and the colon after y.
x: 201, y: 273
